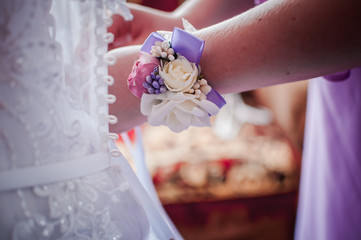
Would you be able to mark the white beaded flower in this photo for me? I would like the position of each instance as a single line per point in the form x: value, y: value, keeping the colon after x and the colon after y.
x: 200, y: 89
x: 162, y: 50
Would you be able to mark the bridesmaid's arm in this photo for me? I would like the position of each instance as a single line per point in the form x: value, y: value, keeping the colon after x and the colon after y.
x: 282, y: 41
x: 201, y: 13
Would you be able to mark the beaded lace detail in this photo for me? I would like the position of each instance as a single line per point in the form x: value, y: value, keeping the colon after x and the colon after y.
x: 74, y: 211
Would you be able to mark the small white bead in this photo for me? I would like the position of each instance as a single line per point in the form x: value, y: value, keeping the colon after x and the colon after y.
x: 170, y: 51
x: 202, y: 81
x: 196, y: 86
x: 206, y: 89
x: 165, y: 45
x: 158, y: 43
x: 163, y: 54
x: 171, y: 57
x: 202, y: 97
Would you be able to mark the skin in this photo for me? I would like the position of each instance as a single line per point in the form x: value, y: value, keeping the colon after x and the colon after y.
x: 287, y: 102
x: 147, y: 20
x: 310, y: 39
x: 277, y: 42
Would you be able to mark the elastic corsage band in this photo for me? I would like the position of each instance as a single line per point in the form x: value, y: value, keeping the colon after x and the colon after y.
x: 167, y: 77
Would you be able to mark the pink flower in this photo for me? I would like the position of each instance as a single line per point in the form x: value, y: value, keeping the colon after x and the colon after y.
x: 141, y: 68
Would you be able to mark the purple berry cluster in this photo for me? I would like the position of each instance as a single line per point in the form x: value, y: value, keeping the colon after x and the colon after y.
x: 154, y: 83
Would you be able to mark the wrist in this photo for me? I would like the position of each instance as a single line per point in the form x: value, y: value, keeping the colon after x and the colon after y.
x: 168, y: 79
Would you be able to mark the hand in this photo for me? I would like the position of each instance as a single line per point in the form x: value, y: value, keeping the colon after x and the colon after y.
x: 146, y: 20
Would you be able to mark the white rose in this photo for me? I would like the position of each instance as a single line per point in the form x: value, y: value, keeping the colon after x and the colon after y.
x: 178, y: 111
x: 179, y: 75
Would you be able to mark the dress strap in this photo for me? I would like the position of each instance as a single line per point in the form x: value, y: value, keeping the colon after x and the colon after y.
x: 51, y: 173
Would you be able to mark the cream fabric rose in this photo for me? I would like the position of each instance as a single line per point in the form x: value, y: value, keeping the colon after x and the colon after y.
x: 178, y: 111
x: 179, y: 75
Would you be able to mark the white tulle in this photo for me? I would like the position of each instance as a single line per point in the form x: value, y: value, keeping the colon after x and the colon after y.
x: 54, y: 115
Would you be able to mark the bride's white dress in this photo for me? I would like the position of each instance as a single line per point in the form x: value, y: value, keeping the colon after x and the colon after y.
x: 60, y: 175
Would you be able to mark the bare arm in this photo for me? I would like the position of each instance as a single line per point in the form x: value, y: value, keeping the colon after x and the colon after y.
x: 201, y: 13
x: 281, y: 41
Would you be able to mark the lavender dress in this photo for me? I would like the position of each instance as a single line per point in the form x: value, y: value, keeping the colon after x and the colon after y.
x: 330, y: 191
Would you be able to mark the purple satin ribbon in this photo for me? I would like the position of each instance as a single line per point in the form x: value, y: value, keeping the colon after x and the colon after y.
x: 216, y: 98
x: 339, y: 76
x: 150, y: 41
x: 188, y: 46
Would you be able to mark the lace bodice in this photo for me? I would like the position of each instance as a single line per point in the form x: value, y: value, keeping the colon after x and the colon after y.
x: 56, y: 160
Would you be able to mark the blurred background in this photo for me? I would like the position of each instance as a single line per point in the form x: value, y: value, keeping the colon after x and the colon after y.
x: 239, y: 178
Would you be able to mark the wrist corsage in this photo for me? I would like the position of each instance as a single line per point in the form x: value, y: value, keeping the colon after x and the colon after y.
x: 167, y: 77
